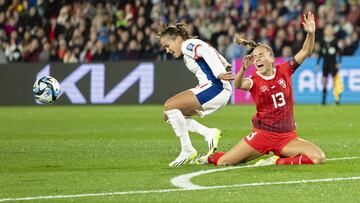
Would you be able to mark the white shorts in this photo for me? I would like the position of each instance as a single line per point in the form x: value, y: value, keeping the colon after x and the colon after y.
x: 211, y: 97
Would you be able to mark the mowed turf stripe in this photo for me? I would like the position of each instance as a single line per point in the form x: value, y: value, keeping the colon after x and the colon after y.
x: 180, y: 189
x: 193, y: 188
x: 183, y: 181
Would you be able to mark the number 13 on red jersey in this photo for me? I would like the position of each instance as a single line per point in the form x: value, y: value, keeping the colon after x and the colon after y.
x: 278, y: 99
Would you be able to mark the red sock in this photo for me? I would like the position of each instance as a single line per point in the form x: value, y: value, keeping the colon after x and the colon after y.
x: 213, y: 159
x: 297, y: 160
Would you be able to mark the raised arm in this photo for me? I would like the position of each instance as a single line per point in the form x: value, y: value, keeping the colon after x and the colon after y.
x: 308, y: 46
x: 240, y: 82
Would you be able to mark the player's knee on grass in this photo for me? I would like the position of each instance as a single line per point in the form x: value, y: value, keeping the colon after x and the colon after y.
x: 318, y: 158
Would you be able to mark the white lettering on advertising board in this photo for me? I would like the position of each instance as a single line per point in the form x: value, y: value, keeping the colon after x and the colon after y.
x: 143, y: 73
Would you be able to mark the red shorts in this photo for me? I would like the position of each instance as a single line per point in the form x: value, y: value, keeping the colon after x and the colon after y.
x: 266, y: 141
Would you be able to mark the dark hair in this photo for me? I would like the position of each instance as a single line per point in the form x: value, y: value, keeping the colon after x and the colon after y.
x: 252, y: 44
x: 180, y: 29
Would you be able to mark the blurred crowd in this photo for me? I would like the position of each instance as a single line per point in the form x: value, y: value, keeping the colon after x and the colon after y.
x: 111, y: 30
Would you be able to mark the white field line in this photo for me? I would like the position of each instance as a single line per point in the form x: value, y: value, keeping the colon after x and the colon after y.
x: 188, y: 189
x: 343, y: 158
x: 180, y: 189
x: 183, y: 181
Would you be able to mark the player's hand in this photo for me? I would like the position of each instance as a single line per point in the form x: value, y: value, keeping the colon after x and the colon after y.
x: 228, y: 68
x: 247, y: 61
x: 309, y: 23
x: 226, y: 76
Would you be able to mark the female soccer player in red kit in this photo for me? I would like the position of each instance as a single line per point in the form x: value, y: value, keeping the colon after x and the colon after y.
x: 273, y: 124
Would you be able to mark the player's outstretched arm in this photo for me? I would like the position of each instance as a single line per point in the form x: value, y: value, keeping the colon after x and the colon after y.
x: 308, y: 46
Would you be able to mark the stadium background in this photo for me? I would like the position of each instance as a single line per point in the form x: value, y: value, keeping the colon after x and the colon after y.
x: 57, y: 33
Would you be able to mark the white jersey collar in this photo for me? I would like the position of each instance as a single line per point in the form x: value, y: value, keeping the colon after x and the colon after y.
x: 267, y: 77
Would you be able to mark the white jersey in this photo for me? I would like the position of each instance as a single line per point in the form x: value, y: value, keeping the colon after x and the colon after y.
x: 205, y: 62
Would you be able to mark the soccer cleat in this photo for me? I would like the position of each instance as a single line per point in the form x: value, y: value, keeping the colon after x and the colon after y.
x: 183, y: 158
x: 213, y: 142
x: 266, y: 162
x: 201, y: 159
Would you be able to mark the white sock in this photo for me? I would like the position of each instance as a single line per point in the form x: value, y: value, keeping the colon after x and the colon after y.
x: 196, y: 127
x: 178, y: 123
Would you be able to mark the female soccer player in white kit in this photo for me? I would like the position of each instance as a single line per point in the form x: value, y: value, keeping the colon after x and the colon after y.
x: 212, y: 92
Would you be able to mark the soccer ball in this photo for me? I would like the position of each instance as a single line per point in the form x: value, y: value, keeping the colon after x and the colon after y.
x: 46, y: 90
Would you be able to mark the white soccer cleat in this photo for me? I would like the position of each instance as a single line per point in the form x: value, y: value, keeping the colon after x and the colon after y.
x: 183, y: 158
x: 213, y: 142
x: 267, y: 162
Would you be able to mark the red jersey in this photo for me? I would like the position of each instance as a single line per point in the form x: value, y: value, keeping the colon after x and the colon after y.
x: 274, y: 99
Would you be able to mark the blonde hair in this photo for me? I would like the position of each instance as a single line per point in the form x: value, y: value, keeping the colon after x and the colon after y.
x: 252, y: 44
x: 180, y: 29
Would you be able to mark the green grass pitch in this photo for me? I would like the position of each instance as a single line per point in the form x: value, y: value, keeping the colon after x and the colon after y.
x: 70, y: 150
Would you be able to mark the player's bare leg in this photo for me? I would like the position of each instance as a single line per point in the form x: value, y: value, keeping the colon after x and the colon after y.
x: 175, y: 110
x: 297, y: 151
x: 185, y: 101
x: 301, y: 150
x: 240, y: 153
x: 188, y: 104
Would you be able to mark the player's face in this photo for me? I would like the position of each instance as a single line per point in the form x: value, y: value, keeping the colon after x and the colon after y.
x: 171, y: 45
x: 328, y: 31
x: 263, y: 60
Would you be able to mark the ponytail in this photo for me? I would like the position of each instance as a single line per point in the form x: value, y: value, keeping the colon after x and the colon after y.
x: 180, y: 29
x: 247, y: 43
x: 183, y: 31
x: 252, y: 44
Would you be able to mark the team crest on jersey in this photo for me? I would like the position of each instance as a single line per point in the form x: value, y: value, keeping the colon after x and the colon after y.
x: 291, y: 62
x: 264, y: 88
x: 282, y: 83
x: 190, y: 46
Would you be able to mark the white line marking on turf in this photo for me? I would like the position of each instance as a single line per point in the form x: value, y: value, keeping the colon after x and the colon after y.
x: 192, y: 187
x: 180, y: 189
x: 183, y: 181
x: 343, y: 158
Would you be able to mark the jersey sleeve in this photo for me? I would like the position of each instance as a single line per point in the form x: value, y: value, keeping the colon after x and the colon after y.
x: 189, y: 48
x: 253, y: 83
x: 212, y: 58
x: 289, y: 67
x: 224, y: 61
